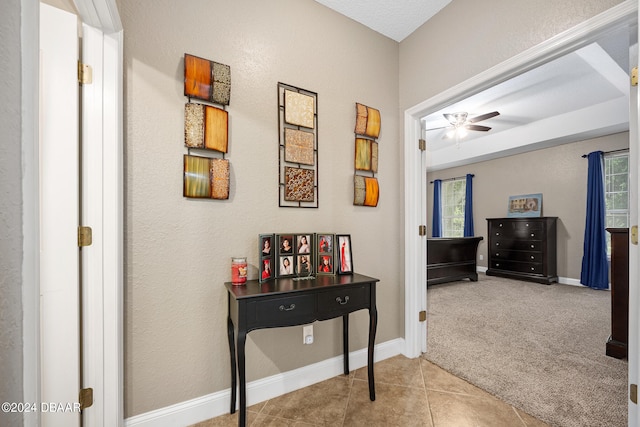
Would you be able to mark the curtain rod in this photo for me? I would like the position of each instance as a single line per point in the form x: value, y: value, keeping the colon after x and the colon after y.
x: 454, y: 178
x: 609, y: 152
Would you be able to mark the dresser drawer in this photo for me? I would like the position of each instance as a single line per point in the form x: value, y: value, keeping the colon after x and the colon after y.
x: 518, y: 245
x: 290, y: 310
x: 343, y: 301
x: 517, y: 255
x: 519, y: 267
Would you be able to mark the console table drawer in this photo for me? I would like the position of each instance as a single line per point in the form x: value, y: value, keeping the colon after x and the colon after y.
x: 281, y: 311
x: 343, y: 301
x: 518, y: 245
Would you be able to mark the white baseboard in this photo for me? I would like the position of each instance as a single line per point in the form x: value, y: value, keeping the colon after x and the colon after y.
x: 215, y: 404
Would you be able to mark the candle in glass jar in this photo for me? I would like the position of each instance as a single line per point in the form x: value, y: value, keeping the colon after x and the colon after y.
x: 238, y: 271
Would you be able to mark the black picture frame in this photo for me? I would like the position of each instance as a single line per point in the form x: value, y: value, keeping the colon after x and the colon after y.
x: 344, y: 254
x: 267, y: 250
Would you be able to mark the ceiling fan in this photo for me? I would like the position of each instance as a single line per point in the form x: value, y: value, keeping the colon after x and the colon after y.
x: 461, y: 121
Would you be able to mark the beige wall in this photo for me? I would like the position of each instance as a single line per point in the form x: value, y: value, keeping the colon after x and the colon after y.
x: 11, y: 385
x: 559, y: 173
x: 178, y: 250
x: 470, y: 36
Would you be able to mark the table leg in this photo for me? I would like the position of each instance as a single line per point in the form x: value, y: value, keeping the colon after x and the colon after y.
x: 345, y: 342
x: 242, y: 338
x: 232, y: 352
x: 373, y: 323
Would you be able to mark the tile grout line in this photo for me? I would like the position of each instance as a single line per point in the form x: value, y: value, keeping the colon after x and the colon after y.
x: 426, y: 394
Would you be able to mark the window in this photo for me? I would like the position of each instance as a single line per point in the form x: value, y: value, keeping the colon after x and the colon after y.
x: 616, y: 192
x: 453, y: 199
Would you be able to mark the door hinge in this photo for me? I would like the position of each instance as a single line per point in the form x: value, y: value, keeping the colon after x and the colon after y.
x: 633, y: 393
x: 634, y: 76
x: 422, y: 144
x: 422, y: 230
x: 634, y: 235
x: 84, y: 236
x: 86, y: 398
x: 85, y: 74
x: 422, y: 316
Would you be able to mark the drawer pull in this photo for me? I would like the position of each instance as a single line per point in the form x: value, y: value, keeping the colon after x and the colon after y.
x: 497, y: 264
x: 341, y: 301
x: 533, y: 235
x: 532, y: 257
x: 497, y: 253
x: 497, y: 243
x: 283, y: 308
x: 532, y: 246
x: 532, y: 268
x: 497, y: 233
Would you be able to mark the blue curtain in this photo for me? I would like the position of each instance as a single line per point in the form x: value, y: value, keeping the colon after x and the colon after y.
x: 437, y: 209
x: 595, y: 269
x: 468, y: 207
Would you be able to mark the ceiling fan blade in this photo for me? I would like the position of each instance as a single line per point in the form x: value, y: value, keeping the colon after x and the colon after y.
x: 441, y: 127
x: 477, y: 127
x: 483, y: 117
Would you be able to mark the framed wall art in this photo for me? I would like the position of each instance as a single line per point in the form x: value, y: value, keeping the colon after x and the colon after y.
x: 345, y: 258
x: 526, y: 205
x: 297, y: 147
x: 206, y: 127
x: 365, y: 187
x: 205, y: 177
x: 207, y: 80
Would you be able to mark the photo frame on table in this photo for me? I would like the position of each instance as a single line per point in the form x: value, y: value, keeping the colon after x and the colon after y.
x: 343, y: 254
x: 266, y: 252
x: 325, y: 261
x: 295, y: 254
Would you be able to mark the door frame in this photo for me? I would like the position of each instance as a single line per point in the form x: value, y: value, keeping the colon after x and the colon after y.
x: 415, y: 195
x: 103, y: 16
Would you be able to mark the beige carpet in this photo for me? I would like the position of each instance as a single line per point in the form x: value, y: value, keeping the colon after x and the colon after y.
x: 538, y: 347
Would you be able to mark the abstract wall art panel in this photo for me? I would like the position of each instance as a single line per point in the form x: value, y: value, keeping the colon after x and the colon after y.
x: 366, y: 192
x: 374, y: 157
x: 367, y: 121
x: 206, y: 127
x: 207, y: 80
x: 299, y: 109
x: 194, y: 125
x: 206, y: 178
x: 299, y: 185
x: 363, y: 154
x: 196, y: 177
x: 219, y: 179
x: 216, y: 129
x: 299, y: 146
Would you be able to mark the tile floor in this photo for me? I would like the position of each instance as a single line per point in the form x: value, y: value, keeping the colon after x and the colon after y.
x: 409, y: 392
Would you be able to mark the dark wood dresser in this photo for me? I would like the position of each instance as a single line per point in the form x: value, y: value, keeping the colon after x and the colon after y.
x: 523, y: 248
x: 617, y: 343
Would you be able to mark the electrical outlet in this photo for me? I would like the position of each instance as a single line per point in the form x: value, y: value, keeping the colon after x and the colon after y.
x: 481, y: 257
x: 307, y: 334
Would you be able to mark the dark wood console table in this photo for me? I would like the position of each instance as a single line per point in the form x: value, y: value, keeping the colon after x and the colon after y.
x: 618, y: 340
x: 289, y: 302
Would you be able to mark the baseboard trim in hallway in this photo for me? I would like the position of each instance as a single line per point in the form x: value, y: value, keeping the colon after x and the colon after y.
x: 215, y: 404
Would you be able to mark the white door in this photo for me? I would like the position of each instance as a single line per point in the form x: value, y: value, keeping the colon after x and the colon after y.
x: 634, y: 254
x: 59, y: 207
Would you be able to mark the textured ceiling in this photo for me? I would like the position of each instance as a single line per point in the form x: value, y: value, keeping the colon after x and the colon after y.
x: 395, y: 19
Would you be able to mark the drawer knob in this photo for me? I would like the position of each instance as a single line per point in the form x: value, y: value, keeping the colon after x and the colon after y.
x: 497, y: 264
x: 497, y: 253
x: 283, y: 308
x: 498, y: 244
x: 341, y: 301
x: 532, y: 268
x: 497, y: 233
x: 532, y: 246
x: 532, y: 257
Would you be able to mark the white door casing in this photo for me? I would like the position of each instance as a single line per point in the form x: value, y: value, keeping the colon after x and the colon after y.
x: 59, y: 209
